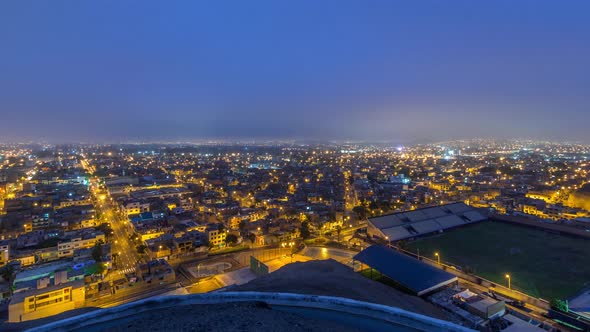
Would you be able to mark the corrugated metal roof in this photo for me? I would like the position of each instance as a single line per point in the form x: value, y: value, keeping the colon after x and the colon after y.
x: 434, y: 212
x: 426, y: 220
x: 396, y: 233
x: 409, y: 272
x: 450, y: 221
x: 415, y: 215
x: 387, y: 221
x: 458, y: 208
x: 474, y: 216
x: 427, y: 226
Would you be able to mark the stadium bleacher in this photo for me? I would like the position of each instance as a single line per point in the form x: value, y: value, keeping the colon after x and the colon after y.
x: 403, y: 225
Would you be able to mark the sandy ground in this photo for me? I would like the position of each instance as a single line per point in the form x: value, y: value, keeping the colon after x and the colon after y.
x: 276, y: 264
x: 237, y: 277
x: 331, y: 278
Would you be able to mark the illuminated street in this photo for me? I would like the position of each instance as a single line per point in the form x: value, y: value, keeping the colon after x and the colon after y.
x: 127, y: 256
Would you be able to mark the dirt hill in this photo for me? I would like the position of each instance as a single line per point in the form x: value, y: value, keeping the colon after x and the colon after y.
x: 331, y: 278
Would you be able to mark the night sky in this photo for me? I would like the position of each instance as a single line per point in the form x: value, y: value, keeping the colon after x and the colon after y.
x: 402, y: 71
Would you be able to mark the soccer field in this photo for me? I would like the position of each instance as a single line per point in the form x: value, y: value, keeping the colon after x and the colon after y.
x: 541, y: 264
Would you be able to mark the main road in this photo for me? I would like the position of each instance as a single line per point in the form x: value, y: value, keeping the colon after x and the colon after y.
x: 122, y: 245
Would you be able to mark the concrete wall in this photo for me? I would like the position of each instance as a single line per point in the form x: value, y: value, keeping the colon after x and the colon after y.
x: 16, y: 311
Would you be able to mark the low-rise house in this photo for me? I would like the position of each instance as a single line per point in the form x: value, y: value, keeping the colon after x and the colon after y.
x: 80, y: 240
x: 215, y: 236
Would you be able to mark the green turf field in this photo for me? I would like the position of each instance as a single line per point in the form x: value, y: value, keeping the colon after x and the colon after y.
x: 541, y: 264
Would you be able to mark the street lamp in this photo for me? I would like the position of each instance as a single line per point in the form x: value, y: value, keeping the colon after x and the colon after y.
x: 388, y: 241
x: 291, y: 244
x: 437, y: 257
x: 508, y: 278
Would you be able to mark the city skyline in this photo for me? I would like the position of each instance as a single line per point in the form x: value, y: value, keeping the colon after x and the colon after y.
x: 407, y: 73
x: 502, y: 224
x: 332, y: 165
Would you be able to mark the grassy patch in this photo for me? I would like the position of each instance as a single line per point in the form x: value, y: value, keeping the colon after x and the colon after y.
x: 541, y: 264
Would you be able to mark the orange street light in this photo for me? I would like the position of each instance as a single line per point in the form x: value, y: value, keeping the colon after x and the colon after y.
x: 508, y: 278
x: 437, y: 257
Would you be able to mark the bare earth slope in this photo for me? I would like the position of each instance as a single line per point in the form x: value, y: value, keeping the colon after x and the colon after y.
x: 331, y: 278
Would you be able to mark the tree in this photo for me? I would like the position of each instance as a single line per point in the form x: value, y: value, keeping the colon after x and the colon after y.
x: 373, y: 205
x: 243, y: 225
x: 305, y: 234
x: 332, y: 215
x: 141, y: 249
x: 384, y: 205
x: 560, y: 305
x: 361, y: 212
x: 99, y: 268
x: 220, y: 227
x: 231, y: 239
x: 105, y: 228
x: 251, y: 237
x: 97, y: 252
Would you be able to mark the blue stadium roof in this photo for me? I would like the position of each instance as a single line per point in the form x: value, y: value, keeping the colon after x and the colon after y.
x: 409, y: 272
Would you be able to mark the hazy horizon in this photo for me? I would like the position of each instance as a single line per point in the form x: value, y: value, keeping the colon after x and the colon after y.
x: 330, y: 71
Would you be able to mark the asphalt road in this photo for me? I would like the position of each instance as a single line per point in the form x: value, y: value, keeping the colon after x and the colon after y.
x: 127, y: 256
x: 133, y: 294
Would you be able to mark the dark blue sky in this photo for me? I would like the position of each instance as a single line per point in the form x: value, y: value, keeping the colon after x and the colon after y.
x: 360, y: 70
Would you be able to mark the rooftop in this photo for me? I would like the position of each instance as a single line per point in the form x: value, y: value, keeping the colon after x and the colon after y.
x: 409, y: 272
x: 402, y: 225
